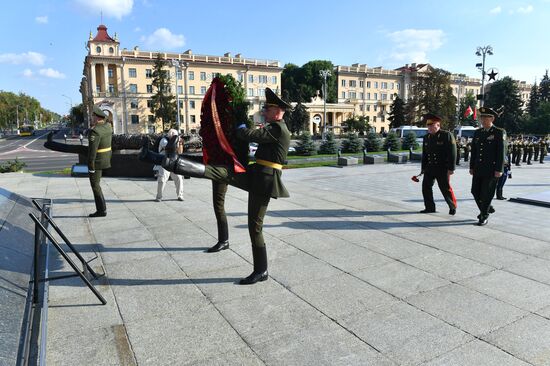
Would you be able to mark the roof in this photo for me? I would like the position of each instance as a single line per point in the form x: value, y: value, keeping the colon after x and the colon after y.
x: 102, y: 35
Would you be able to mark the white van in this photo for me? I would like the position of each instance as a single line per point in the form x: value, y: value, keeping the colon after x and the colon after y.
x: 403, y: 131
x: 465, y: 132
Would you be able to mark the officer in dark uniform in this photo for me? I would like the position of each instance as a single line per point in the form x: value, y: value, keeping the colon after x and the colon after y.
x: 262, y: 180
x: 99, y: 157
x: 438, y: 163
x: 487, y: 163
x: 459, y: 146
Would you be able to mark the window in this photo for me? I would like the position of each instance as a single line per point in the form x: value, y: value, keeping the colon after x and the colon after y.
x: 361, y: 108
x: 191, y: 90
x: 262, y: 79
x: 203, y: 90
x: 149, y: 88
x: 391, y: 86
x: 240, y: 77
x: 384, y: 96
x: 352, y: 83
x: 180, y: 89
x: 250, y: 92
x: 98, y: 88
x: 361, y: 95
x: 398, y: 86
x: 132, y: 72
x: 375, y: 96
x: 361, y: 83
x: 368, y: 84
x: 261, y: 92
x: 110, y: 73
x: 149, y: 103
x: 191, y: 75
x: 193, y: 119
x: 250, y: 78
x: 384, y: 85
x: 382, y: 118
x: 215, y: 75
x: 148, y: 73
x: 180, y: 103
x: 375, y: 108
x: 344, y: 95
x: 135, y: 119
x: 376, y: 85
x: 111, y: 88
x: 179, y: 74
x: 133, y: 88
x: 192, y: 104
x: 368, y: 107
x: 134, y: 104
x: 203, y: 75
x: 98, y: 49
x: 352, y: 95
x: 374, y: 119
x: 151, y: 118
x: 273, y: 80
x: 111, y: 50
x: 343, y: 82
x: 368, y: 96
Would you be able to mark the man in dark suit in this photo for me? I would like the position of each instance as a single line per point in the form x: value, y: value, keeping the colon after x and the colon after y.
x: 99, y: 157
x: 438, y: 163
x: 262, y: 180
x: 487, y: 163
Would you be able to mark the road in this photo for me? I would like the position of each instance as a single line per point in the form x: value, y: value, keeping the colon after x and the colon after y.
x: 32, y: 152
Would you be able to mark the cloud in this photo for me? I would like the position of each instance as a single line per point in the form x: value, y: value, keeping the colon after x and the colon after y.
x: 525, y: 10
x: 111, y: 8
x: 27, y: 73
x: 137, y: 29
x: 412, y: 45
x: 33, y: 58
x: 162, y: 38
x: 42, y: 20
x: 496, y: 10
x: 51, y: 73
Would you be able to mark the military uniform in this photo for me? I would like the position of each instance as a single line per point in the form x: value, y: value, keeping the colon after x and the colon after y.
x: 488, y: 151
x: 438, y: 157
x: 543, y: 150
x: 458, y: 150
x: 99, y: 158
x: 530, y: 151
x: 467, y: 147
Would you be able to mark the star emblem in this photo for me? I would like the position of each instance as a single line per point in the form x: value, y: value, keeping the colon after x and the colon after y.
x: 492, y: 75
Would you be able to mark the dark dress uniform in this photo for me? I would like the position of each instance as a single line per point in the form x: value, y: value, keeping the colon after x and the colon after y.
x: 467, y: 147
x: 458, y: 150
x: 99, y: 158
x: 488, y: 150
x: 438, y: 157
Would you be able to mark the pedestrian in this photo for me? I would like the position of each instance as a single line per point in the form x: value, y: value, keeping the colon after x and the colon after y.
x: 262, y: 180
x: 438, y: 163
x: 164, y: 175
x: 99, y: 157
x: 81, y: 138
x: 487, y: 162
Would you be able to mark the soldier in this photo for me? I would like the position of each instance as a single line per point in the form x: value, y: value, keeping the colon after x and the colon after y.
x: 519, y: 143
x: 487, y: 163
x: 467, y: 147
x: 525, y: 150
x: 458, y: 148
x: 99, y: 157
x: 530, y: 150
x: 438, y: 163
x: 543, y: 150
x: 537, y: 149
x: 262, y: 180
x: 514, y: 147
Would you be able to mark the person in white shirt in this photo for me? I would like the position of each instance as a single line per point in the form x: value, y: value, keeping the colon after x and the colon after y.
x: 164, y: 175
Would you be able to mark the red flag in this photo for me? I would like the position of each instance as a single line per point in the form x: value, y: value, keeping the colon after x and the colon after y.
x: 468, y: 112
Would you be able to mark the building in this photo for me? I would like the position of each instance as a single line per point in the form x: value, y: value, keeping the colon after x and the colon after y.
x: 120, y: 81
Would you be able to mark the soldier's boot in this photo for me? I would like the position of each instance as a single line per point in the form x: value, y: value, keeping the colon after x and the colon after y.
x: 220, y: 245
x: 499, y: 194
x: 184, y: 166
x: 260, y: 267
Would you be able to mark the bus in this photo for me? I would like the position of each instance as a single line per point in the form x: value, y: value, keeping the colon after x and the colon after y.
x: 26, y: 131
x: 403, y: 131
x: 465, y: 132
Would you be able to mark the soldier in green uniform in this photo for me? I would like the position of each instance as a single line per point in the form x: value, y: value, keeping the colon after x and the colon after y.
x: 536, y: 145
x: 530, y: 150
x: 99, y: 157
x: 262, y: 180
x: 519, y: 152
x: 467, y: 147
x: 459, y: 146
x: 438, y: 163
x: 487, y: 163
x: 543, y: 146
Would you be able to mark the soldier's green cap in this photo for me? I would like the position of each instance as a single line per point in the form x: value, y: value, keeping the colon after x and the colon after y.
x: 271, y: 99
x: 430, y: 118
x: 98, y: 112
x: 486, y: 111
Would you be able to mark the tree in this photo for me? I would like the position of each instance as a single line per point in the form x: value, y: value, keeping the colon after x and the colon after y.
x: 77, y: 115
x: 302, y: 83
x: 373, y: 142
x: 163, y: 104
x: 305, y: 145
x: 544, y: 88
x: 352, y: 143
x: 435, y: 95
x: 505, y: 92
x: 329, y: 145
x: 397, y: 113
x: 392, y: 142
x: 410, y: 141
x: 299, y: 119
x: 357, y: 124
x: 534, y: 100
x: 540, y: 123
x: 10, y: 103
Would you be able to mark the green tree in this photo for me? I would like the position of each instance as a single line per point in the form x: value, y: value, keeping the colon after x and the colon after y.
x: 299, y: 119
x: 397, y: 113
x: 435, y: 95
x: 357, y: 124
x: 352, y: 143
x: 373, y: 142
x: 392, y: 142
x: 329, y: 145
x: 505, y: 92
x: 544, y: 88
x: 29, y: 108
x: 302, y: 83
x: 534, y: 100
x: 163, y: 104
x: 305, y: 145
x: 76, y: 116
x: 410, y: 141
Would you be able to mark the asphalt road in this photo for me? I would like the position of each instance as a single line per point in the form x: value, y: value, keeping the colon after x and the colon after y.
x: 32, y: 152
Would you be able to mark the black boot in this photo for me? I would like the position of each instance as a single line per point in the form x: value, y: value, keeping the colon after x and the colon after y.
x: 184, y: 166
x: 220, y: 245
x: 260, y: 267
x: 499, y: 195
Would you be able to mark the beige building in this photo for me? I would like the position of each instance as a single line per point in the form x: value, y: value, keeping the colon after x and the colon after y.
x: 120, y: 81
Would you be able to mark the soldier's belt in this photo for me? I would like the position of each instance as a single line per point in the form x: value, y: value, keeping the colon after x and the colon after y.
x: 104, y: 150
x: 269, y: 164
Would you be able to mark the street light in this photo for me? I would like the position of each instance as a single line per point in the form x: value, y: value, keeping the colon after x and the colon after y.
x: 177, y: 66
x: 324, y: 74
x: 483, y: 51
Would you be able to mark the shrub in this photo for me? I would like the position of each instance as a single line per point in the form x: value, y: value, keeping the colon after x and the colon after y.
x: 392, y: 142
x: 12, y: 166
x: 305, y: 145
x: 352, y: 143
x: 329, y: 146
x: 410, y: 141
x: 373, y: 142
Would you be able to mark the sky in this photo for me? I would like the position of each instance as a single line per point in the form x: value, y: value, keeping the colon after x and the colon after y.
x: 43, y: 47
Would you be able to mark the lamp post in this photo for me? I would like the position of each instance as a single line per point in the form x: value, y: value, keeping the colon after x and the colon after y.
x: 483, y: 51
x: 185, y: 64
x: 324, y: 74
x: 177, y: 67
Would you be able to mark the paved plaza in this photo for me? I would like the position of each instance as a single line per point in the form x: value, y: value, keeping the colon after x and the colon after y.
x: 357, y: 276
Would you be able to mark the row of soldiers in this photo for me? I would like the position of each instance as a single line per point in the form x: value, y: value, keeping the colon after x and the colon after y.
x: 522, y: 150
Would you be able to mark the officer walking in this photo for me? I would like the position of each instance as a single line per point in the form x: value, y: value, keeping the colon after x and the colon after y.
x: 487, y: 163
x: 438, y: 163
x: 99, y: 157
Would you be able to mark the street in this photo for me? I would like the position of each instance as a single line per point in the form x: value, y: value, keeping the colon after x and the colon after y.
x: 32, y: 152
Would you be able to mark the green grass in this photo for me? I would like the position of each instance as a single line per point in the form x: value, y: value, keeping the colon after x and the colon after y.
x: 63, y: 172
